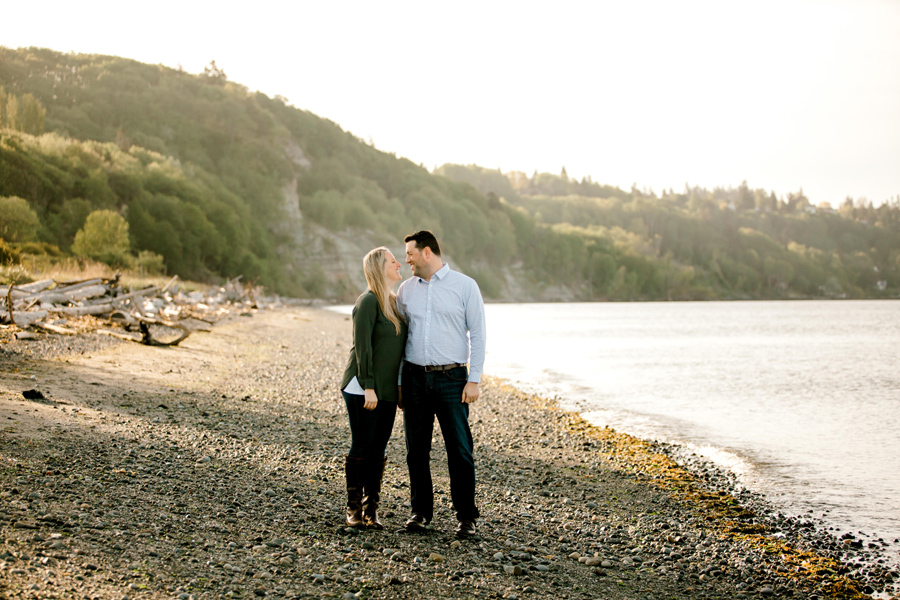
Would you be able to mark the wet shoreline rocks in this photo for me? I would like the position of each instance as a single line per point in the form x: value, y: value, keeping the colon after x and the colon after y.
x: 215, y: 470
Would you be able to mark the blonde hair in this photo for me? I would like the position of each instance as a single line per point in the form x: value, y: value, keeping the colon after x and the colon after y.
x: 373, y: 268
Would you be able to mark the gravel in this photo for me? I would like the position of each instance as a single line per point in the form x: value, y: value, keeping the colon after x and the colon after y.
x: 215, y: 470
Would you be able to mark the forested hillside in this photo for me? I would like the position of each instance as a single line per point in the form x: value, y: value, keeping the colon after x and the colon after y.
x: 200, y: 167
x: 214, y: 180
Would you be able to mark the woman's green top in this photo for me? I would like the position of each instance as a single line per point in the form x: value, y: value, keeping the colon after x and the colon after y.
x: 377, y: 349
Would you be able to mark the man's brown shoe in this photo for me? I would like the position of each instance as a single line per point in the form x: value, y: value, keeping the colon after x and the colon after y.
x: 416, y: 523
x: 466, y: 528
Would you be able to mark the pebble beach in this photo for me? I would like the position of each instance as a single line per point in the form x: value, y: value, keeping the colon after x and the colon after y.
x: 214, y: 469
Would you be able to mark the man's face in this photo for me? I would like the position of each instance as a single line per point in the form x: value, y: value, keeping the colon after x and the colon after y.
x: 414, y: 258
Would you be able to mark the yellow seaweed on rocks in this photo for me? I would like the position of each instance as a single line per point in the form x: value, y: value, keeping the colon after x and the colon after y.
x: 637, y: 457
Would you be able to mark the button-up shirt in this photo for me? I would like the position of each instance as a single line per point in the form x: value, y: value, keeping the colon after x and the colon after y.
x: 446, y: 320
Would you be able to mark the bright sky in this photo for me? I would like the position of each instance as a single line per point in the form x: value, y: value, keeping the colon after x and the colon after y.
x: 784, y: 94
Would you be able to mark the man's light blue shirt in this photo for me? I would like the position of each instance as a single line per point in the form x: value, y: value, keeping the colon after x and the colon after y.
x: 446, y: 320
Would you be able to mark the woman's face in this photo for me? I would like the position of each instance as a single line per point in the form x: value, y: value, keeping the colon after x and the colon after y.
x: 391, y: 269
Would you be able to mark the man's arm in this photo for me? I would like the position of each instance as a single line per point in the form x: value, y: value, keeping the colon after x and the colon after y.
x: 477, y: 343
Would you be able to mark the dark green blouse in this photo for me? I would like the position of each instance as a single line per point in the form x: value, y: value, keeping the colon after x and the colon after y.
x: 377, y: 349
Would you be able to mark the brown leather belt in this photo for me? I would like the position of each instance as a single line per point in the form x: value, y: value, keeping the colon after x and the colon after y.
x: 430, y: 368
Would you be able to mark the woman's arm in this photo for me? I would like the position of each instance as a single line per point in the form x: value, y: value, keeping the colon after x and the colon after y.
x: 363, y: 326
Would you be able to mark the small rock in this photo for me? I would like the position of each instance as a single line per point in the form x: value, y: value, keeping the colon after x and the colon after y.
x: 593, y: 561
x: 435, y: 557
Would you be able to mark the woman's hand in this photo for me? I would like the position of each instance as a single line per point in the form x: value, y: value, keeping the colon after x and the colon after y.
x: 371, y: 400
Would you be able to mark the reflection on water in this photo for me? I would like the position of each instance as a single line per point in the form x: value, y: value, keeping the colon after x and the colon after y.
x: 800, y: 399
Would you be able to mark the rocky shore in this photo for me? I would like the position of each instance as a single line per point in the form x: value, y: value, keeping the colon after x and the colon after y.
x: 215, y: 470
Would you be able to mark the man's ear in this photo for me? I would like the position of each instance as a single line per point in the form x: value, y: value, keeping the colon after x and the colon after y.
x: 426, y: 253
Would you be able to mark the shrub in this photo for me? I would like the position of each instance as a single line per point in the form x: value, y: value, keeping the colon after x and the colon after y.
x: 18, y: 222
x: 39, y: 249
x: 104, y: 237
x: 151, y: 263
x: 8, y: 254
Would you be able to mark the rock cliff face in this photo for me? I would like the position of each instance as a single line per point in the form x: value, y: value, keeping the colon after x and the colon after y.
x: 331, y: 262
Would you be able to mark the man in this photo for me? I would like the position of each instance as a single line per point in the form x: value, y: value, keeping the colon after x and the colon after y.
x: 445, y: 314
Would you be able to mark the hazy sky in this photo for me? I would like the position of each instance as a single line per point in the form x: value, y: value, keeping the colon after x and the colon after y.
x: 784, y: 94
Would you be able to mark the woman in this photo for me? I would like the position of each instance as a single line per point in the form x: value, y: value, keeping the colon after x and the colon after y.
x: 370, y: 385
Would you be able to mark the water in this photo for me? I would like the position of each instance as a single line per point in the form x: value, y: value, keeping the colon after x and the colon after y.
x: 800, y: 399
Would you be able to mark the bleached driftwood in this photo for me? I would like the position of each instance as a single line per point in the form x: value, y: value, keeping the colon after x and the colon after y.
x: 80, y: 311
x: 56, y: 328
x: 34, y: 305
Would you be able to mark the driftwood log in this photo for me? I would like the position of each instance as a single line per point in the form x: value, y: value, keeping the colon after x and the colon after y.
x: 48, y: 306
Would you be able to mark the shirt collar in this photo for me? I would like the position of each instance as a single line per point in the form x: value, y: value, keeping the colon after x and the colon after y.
x: 440, y: 273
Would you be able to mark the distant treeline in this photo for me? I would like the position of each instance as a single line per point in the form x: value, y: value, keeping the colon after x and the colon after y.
x: 197, y: 165
x: 724, y: 243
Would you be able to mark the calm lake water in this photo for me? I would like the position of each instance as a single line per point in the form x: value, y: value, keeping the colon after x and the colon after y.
x: 800, y: 399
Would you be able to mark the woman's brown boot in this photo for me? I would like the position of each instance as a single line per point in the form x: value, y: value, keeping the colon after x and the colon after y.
x: 354, y: 472
x: 372, y: 491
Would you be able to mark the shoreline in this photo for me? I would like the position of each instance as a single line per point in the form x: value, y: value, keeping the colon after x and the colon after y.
x: 212, y: 470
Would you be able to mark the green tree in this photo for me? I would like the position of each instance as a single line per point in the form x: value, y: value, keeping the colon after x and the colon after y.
x: 214, y: 74
x: 33, y: 115
x: 12, y: 112
x: 104, y: 237
x: 18, y: 222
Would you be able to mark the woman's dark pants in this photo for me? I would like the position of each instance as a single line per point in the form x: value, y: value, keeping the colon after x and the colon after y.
x: 370, y: 430
x: 427, y: 395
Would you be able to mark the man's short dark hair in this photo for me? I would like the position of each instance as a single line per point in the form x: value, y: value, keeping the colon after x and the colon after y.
x: 424, y: 239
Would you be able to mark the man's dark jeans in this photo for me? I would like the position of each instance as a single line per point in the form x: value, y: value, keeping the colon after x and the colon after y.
x: 426, y: 396
x: 370, y: 430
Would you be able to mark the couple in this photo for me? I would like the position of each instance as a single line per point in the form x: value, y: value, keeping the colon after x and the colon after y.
x: 433, y: 326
